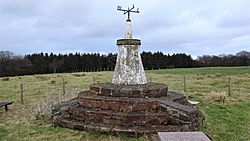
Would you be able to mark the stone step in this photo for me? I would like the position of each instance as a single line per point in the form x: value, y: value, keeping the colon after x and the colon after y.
x: 109, y: 117
x: 122, y: 104
x: 126, y: 104
x: 114, y: 129
x: 149, y: 90
x: 128, y: 115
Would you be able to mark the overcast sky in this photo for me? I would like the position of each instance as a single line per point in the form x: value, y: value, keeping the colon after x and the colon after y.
x: 194, y: 27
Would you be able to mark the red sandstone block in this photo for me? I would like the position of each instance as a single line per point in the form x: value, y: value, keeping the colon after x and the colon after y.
x: 136, y: 92
x: 146, y: 91
x: 115, y: 105
x: 106, y: 91
x: 94, y: 93
x: 95, y: 89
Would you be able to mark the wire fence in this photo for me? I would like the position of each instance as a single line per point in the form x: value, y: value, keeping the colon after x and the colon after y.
x: 42, y: 86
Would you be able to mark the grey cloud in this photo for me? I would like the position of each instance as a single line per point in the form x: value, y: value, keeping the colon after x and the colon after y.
x: 194, y: 26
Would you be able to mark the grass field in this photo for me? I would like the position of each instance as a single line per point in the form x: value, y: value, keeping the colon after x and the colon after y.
x: 227, y: 117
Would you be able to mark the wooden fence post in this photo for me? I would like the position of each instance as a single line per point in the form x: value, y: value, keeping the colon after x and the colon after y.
x: 168, y: 86
x: 63, y: 87
x: 229, y: 86
x: 184, y: 83
x: 21, y: 90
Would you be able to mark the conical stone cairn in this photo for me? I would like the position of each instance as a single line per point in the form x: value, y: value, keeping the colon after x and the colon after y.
x: 129, y: 69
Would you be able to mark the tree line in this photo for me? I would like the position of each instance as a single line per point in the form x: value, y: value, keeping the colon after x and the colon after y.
x: 44, y: 63
x: 240, y: 59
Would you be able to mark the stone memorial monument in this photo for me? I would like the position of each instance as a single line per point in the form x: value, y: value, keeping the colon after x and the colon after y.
x: 129, y: 104
x: 129, y: 68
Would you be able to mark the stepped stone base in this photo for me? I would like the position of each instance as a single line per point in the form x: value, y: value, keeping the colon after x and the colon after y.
x: 133, y: 130
x: 150, y: 90
x: 130, y: 109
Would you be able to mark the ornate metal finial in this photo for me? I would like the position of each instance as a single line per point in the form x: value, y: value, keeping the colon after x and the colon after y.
x: 128, y: 11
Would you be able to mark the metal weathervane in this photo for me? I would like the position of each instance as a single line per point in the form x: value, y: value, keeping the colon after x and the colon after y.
x: 119, y: 8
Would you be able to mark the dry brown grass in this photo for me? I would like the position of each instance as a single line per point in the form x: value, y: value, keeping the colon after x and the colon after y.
x: 43, y: 110
x: 216, y: 97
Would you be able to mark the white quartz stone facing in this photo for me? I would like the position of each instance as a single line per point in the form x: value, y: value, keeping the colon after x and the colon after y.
x: 128, y: 31
x: 129, y: 68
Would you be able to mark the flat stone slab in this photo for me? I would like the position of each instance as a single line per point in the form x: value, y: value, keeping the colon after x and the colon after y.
x: 184, y: 108
x: 183, y: 136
